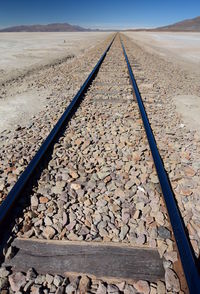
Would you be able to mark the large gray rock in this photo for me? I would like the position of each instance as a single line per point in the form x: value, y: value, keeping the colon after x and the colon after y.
x: 171, y: 280
x: 49, y: 232
x: 17, y: 281
x: 101, y: 289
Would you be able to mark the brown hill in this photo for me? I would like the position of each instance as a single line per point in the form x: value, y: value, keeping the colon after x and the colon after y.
x: 54, y: 27
x: 192, y: 25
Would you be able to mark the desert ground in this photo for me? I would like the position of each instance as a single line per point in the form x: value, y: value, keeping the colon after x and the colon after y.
x: 181, y: 47
x: 183, y: 50
x: 23, y: 53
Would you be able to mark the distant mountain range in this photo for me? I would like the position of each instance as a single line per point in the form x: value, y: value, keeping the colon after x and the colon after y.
x: 188, y: 25
x: 192, y: 25
x: 53, y: 27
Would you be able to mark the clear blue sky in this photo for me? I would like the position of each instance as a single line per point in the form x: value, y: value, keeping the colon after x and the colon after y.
x: 101, y: 13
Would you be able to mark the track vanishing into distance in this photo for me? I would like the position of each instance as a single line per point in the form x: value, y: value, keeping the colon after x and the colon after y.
x: 93, y: 203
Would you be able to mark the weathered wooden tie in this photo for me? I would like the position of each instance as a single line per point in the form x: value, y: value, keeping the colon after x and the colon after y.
x: 101, y: 260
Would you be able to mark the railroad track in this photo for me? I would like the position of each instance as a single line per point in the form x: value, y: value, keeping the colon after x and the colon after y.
x: 96, y: 206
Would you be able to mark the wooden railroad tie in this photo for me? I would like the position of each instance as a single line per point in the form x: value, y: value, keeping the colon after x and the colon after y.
x: 108, y: 261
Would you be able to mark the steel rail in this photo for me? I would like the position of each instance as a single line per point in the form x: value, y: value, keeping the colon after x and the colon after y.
x: 186, y: 252
x: 17, y: 189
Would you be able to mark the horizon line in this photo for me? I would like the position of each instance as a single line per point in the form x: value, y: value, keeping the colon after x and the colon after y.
x: 85, y: 26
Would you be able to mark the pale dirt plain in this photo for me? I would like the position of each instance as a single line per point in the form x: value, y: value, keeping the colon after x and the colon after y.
x: 183, y: 50
x: 23, y: 53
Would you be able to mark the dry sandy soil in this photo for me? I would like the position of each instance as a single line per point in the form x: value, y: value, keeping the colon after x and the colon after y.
x: 183, y: 50
x: 181, y: 47
x: 22, y: 53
